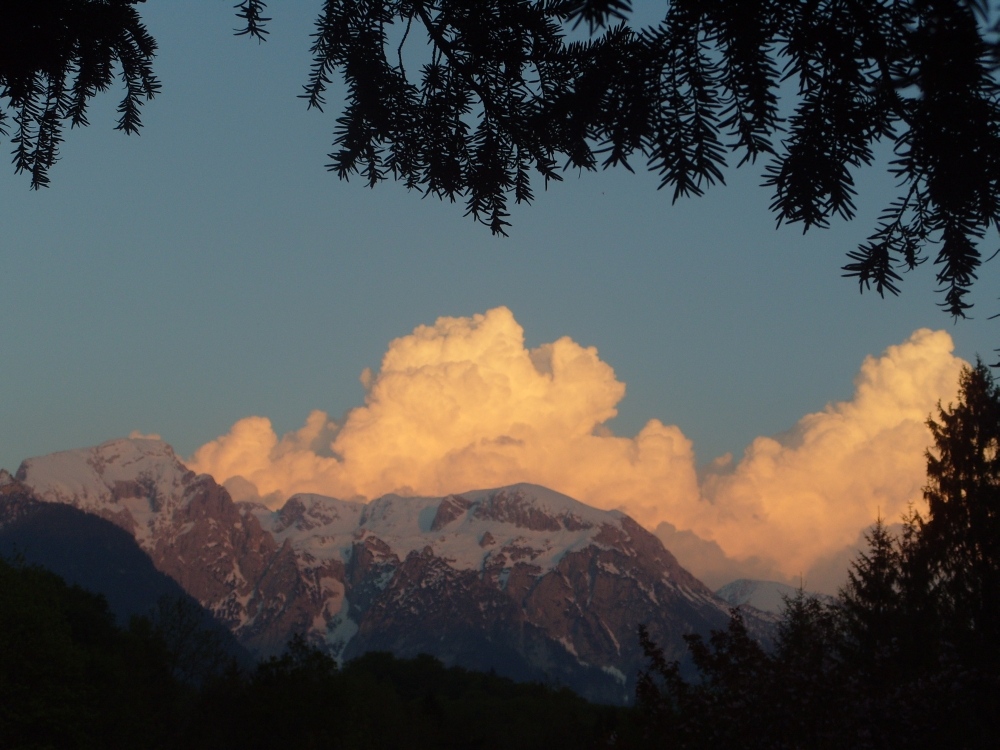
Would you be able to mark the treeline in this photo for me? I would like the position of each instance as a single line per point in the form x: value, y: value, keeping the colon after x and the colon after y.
x: 71, y: 678
x: 909, y: 654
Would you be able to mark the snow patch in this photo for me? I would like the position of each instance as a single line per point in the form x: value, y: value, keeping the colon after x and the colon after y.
x: 614, y: 672
x: 568, y: 645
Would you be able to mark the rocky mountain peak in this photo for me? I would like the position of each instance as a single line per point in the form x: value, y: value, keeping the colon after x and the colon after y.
x: 520, y: 579
x: 126, y: 480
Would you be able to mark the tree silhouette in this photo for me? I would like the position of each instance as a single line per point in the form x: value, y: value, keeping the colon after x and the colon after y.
x: 473, y: 101
x: 55, y: 56
x: 871, y: 602
x: 961, y: 534
x: 69, y: 677
x: 909, y: 654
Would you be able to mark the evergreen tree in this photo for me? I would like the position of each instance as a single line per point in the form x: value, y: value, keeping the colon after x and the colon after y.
x: 55, y: 57
x: 870, y: 603
x: 885, y: 637
x: 960, y: 538
x: 807, y: 698
x: 731, y: 705
x: 473, y: 101
x: 919, y: 628
x: 661, y: 698
x: 70, y: 678
x: 908, y: 658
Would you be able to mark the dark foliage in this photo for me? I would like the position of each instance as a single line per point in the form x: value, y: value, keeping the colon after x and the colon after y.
x: 870, y: 606
x: 961, y: 534
x: 906, y: 658
x: 71, y: 678
x: 55, y: 56
x: 504, y: 94
x: 302, y: 700
x: 748, y: 697
x: 476, y: 101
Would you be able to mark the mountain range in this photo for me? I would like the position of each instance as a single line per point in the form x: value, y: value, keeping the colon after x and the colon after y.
x: 764, y: 596
x: 521, y: 580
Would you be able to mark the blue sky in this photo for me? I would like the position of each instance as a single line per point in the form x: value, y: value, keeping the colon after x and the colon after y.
x: 212, y: 269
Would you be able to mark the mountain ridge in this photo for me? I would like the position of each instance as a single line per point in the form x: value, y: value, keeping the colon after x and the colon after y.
x: 520, y: 579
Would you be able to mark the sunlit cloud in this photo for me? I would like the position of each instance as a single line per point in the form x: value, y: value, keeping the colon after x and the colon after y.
x: 464, y: 404
x: 805, y: 496
x: 140, y: 435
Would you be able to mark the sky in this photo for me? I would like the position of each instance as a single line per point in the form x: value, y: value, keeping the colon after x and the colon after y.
x: 210, y: 282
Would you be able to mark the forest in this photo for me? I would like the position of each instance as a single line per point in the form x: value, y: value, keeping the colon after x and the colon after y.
x: 907, y: 656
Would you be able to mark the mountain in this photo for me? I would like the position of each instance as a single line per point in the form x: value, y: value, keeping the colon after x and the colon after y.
x: 765, y: 596
x: 82, y: 549
x: 189, y: 527
x: 96, y: 555
x: 521, y: 580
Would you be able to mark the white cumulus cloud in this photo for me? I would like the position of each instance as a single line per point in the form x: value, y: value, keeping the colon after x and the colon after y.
x: 806, y: 495
x: 464, y: 404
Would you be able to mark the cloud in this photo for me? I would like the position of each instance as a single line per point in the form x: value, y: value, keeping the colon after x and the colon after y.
x: 805, y: 496
x: 139, y: 435
x: 463, y: 404
x: 713, y: 566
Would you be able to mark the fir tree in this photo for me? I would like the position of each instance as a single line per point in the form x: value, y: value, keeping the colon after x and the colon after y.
x: 483, y: 101
x: 960, y: 537
x: 870, y: 603
x: 807, y: 695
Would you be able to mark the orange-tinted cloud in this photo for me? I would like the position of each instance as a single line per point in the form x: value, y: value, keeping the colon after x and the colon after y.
x: 140, y: 435
x: 463, y: 404
x: 806, y: 496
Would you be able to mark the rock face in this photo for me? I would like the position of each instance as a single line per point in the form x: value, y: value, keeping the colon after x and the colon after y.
x: 521, y: 579
x: 97, y: 555
x: 83, y: 549
x: 189, y: 527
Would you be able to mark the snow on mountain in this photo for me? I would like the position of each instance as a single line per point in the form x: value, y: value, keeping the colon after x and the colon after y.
x: 189, y: 527
x: 520, y: 579
x: 133, y: 480
x: 464, y: 529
